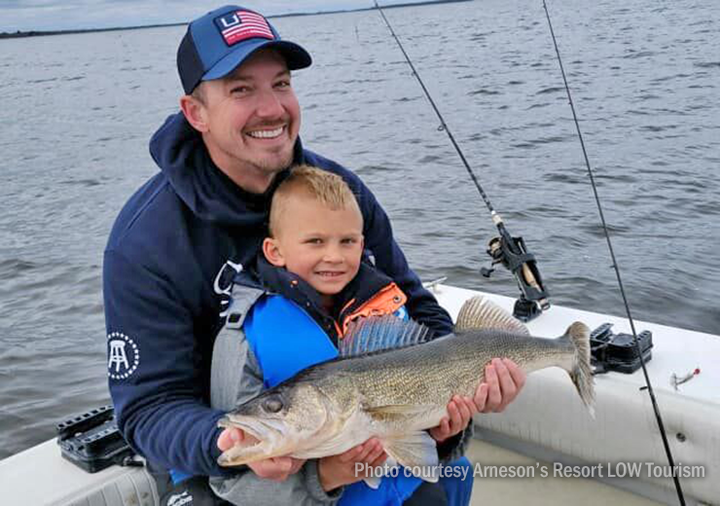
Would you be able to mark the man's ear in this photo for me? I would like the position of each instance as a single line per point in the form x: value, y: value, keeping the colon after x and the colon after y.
x: 271, y: 250
x: 194, y: 111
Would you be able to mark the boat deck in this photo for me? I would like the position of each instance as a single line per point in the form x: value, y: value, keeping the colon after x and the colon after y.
x: 549, y: 491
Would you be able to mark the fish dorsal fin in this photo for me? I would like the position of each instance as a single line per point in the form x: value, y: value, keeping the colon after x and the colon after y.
x: 481, y: 313
x: 377, y: 333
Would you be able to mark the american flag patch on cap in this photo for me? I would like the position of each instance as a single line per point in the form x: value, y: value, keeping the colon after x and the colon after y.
x: 241, y: 25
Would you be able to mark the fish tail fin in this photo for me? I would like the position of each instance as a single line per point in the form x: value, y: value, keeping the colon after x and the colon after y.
x: 581, y: 372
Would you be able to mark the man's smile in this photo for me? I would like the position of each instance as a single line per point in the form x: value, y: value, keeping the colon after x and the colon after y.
x: 267, y: 134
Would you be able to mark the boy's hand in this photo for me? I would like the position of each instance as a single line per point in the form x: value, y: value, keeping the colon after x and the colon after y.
x: 276, y: 468
x: 339, y: 470
x: 503, y: 382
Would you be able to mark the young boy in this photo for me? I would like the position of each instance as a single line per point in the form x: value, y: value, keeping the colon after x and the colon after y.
x: 316, y: 237
x: 315, y: 281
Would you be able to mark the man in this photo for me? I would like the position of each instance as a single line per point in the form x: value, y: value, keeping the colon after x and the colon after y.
x: 178, y: 242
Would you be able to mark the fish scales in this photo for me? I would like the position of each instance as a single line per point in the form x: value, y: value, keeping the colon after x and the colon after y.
x: 431, y: 373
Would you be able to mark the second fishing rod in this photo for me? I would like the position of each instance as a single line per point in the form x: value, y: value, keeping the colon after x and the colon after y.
x: 506, y: 250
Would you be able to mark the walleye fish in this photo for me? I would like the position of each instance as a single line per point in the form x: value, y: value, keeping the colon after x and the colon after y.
x: 396, y: 394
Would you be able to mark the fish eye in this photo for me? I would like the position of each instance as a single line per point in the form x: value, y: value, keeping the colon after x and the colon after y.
x: 273, y: 404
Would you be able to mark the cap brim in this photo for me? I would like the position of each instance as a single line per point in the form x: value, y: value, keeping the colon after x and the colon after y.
x: 295, y: 56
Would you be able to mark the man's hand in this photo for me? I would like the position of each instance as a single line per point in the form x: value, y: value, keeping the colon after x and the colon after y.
x: 460, y: 411
x: 339, y: 470
x: 275, y: 469
x: 503, y: 381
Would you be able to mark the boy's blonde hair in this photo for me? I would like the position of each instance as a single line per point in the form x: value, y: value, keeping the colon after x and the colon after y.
x: 327, y: 188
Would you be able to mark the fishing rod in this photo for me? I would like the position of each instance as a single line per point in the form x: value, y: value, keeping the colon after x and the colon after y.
x: 509, y: 251
x: 616, y: 267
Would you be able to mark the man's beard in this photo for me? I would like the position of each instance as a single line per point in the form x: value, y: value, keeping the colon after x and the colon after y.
x: 274, y: 164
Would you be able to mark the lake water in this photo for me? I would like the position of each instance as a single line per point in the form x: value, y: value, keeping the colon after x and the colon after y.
x: 78, y: 110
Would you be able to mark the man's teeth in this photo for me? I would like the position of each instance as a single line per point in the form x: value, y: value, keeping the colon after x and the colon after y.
x: 266, y: 134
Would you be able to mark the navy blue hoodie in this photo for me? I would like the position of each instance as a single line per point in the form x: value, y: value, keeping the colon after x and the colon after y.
x: 170, y: 252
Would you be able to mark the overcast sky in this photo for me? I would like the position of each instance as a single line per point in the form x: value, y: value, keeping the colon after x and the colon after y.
x: 70, y: 14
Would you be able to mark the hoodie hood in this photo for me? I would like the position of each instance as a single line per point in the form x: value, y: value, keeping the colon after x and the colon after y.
x: 179, y: 151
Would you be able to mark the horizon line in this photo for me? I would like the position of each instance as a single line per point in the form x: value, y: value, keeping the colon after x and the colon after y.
x: 40, y: 33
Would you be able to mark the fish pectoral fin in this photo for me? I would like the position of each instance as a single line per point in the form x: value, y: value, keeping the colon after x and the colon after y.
x: 417, y: 452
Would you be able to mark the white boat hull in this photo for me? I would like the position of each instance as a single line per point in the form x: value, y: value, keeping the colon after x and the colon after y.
x: 549, y: 421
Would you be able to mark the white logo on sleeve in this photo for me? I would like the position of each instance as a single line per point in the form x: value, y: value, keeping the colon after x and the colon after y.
x: 123, y: 356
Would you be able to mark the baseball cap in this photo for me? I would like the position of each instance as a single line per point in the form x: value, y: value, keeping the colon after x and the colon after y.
x: 218, y: 42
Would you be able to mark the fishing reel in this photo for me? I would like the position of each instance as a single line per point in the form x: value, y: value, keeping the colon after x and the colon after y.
x: 512, y: 254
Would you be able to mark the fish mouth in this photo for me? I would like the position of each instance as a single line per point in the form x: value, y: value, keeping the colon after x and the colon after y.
x: 260, y: 441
